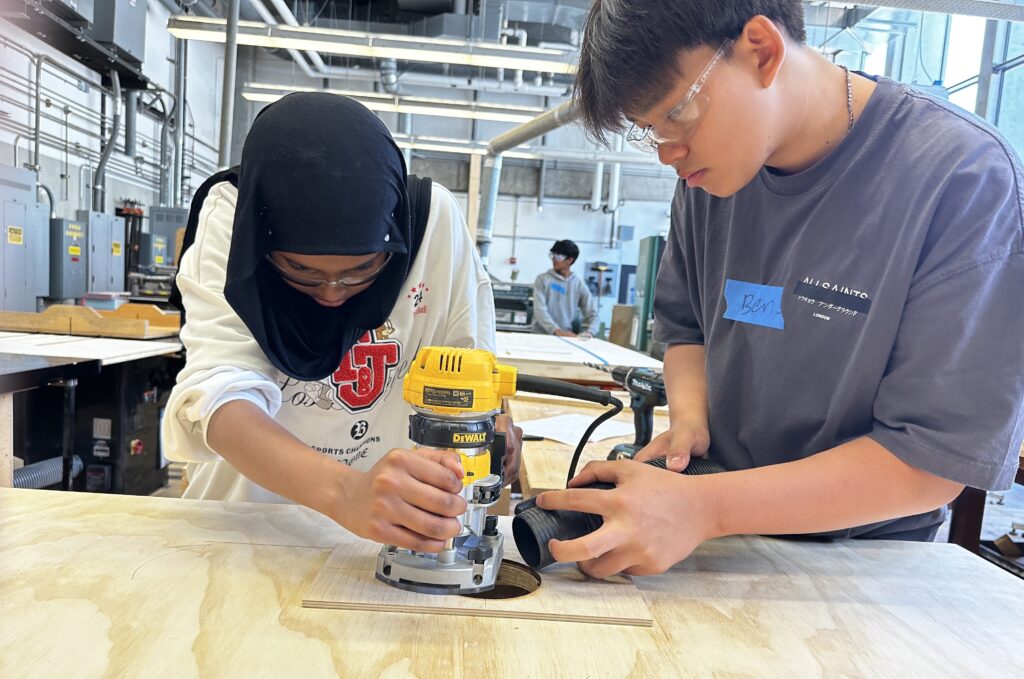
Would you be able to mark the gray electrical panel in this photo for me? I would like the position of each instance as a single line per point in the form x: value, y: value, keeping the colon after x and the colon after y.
x: 121, y: 24
x: 152, y: 251
x: 68, y: 258
x: 165, y: 221
x: 19, y: 236
x: 76, y: 12
x: 106, y: 251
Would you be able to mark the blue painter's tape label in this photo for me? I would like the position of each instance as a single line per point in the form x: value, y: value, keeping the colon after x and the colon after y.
x: 754, y: 303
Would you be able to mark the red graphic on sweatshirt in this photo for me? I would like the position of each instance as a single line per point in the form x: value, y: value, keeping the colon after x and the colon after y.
x: 365, y: 370
x: 416, y: 296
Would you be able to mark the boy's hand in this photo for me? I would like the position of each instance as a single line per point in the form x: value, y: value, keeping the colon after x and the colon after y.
x: 677, y: 446
x: 652, y: 519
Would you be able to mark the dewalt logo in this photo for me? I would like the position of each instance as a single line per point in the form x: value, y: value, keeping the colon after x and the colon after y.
x: 470, y: 438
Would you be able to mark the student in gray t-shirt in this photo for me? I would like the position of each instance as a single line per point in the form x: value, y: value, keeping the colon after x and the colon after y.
x: 559, y: 296
x: 840, y: 292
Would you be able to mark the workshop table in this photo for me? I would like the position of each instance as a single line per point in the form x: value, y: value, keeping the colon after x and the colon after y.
x: 545, y: 464
x: 123, y: 586
x: 566, y: 358
x: 29, y: 360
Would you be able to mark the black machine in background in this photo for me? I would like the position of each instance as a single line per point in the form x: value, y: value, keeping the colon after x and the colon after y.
x: 513, y: 306
x: 117, y: 426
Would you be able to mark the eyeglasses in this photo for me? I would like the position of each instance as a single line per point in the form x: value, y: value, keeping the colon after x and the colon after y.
x: 557, y: 257
x: 313, y: 282
x: 682, y: 121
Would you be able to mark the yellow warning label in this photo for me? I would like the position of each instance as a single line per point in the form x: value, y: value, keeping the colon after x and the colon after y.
x: 115, y: 249
x: 159, y: 259
x: 74, y: 250
x: 73, y: 231
x: 15, y: 235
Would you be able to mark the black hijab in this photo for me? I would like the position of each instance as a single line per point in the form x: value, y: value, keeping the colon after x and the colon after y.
x: 320, y: 175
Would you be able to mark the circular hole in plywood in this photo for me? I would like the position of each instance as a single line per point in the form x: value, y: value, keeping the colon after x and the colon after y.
x: 514, y: 580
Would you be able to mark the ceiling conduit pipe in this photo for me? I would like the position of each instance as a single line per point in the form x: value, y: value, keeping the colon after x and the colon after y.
x: 49, y: 196
x: 290, y: 20
x: 98, y: 184
x: 542, y: 124
x: 37, y: 130
x: 520, y: 35
x: 270, y: 20
x: 17, y: 140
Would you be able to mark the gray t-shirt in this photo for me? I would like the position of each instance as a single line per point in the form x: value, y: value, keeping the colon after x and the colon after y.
x: 877, y: 294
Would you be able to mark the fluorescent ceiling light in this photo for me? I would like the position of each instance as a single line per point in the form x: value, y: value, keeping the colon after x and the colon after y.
x: 378, y: 46
x: 389, y: 103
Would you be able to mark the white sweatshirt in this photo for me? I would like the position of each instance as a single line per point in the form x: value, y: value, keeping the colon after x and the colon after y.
x: 355, y: 415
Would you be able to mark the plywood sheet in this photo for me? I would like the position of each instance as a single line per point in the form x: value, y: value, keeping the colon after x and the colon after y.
x: 347, y: 582
x: 567, y: 358
x: 108, y: 350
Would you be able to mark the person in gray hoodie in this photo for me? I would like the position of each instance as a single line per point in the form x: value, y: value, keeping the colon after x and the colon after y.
x: 559, y: 293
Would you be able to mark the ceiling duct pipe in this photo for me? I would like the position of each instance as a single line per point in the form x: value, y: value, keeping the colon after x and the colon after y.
x: 180, y: 88
x: 492, y: 168
x: 389, y: 76
x: 405, y: 126
x: 542, y: 124
x: 596, y: 189
x: 614, y: 182
x: 131, y: 103
x: 227, y: 106
x: 99, y: 188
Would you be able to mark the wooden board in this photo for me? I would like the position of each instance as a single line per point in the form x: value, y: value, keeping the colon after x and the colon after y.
x: 347, y: 582
x: 78, y: 320
x: 154, y: 315
x: 545, y: 463
x: 95, y: 585
x: 566, y: 358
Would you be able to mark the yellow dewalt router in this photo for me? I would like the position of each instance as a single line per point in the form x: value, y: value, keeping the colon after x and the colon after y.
x: 456, y: 394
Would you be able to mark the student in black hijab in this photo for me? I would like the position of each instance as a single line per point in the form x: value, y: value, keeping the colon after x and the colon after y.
x: 310, y: 276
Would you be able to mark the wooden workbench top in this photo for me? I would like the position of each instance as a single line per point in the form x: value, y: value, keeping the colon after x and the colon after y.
x: 119, y: 586
x: 545, y: 463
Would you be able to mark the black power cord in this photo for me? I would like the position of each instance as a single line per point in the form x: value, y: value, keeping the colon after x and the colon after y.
x: 543, y: 385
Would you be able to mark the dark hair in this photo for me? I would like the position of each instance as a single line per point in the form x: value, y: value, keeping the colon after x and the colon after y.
x: 628, y: 59
x: 567, y: 248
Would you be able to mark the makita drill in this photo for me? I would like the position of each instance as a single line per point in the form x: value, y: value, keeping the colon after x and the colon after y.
x: 646, y: 389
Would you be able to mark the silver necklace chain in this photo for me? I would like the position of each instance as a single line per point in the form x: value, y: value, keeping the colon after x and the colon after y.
x: 849, y: 98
